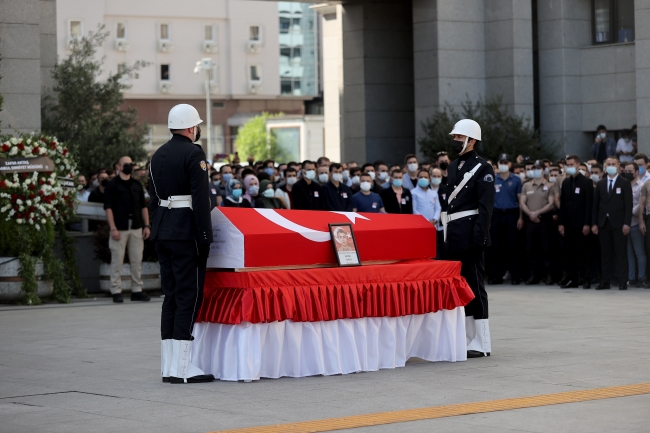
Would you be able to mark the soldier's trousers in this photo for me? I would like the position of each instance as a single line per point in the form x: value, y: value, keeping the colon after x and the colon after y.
x: 182, y: 275
x: 473, y: 270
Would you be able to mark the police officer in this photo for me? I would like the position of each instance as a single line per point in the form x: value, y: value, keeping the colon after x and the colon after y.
x: 536, y: 202
x: 470, y: 187
x: 182, y: 229
x: 506, y: 220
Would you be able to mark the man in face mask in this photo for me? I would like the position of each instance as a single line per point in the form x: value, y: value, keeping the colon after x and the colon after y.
x: 396, y: 198
x: 355, y: 179
x: 635, y: 241
x: 307, y: 194
x: 411, y: 165
x: 470, y: 201
x: 337, y: 196
x: 642, y: 161
x: 283, y: 191
x: 506, y: 220
x: 322, y: 173
x: 97, y: 196
x: 366, y: 200
x: 369, y: 169
x: 83, y: 193
x: 603, y: 146
x: 382, y: 178
x: 269, y: 168
x: 611, y: 220
x: 443, y: 161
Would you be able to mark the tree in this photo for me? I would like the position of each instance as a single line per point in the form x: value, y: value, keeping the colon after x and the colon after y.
x: 252, y: 139
x: 86, y: 113
x: 501, y: 132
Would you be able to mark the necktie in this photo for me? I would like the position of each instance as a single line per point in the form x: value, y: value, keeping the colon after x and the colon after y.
x: 610, y: 186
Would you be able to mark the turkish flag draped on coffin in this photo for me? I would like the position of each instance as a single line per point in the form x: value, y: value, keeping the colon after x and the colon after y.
x: 250, y: 238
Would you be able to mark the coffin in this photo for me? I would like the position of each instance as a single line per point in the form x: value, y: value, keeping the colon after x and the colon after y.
x: 262, y: 238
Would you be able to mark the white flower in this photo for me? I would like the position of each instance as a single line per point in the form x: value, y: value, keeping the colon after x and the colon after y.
x: 31, y: 222
x: 43, y: 221
x: 42, y: 150
x: 58, y: 160
x: 14, y: 150
x: 13, y: 140
x: 53, y: 175
x: 28, y: 181
x: 19, y: 201
x: 28, y: 202
x: 29, y: 141
x: 37, y: 199
x: 62, y: 167
x: 37, y: 227
x: 19, y: 220
x: 21, y: 208
x: 31, y: 214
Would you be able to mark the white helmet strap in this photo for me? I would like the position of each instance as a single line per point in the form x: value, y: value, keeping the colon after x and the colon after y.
x: 464, y: 145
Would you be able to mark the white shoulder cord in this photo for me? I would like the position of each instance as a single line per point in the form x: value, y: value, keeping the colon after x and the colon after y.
x: 153, y: 181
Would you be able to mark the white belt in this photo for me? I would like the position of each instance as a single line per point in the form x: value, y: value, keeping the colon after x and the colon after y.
x: 178, y: 201
x: 447, y: 218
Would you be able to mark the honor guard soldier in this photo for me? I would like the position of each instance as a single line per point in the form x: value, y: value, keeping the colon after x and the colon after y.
x: 182, y: 229
x: 470, y: 185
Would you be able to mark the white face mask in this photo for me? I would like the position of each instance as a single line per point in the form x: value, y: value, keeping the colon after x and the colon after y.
x: 310, y: 174
x: 529, y: 174
x: 268, y: 193
x: 346, y: 174
x: 552, y: 179
x: 323, y: 177
x: 412, y: 167
x: 372, y: 175
x: 595, y: 178
x: 602, y: 135
x: 355, y: 180
x: 365, y: 186
x: 291, y: 180
x: 522, y: 176
x: 383, y: 175
x: 337, y: 177
x: 503, y: 168
x: 582, y: 172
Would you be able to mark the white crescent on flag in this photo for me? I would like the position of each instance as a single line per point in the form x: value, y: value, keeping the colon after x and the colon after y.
x: 312, y: 235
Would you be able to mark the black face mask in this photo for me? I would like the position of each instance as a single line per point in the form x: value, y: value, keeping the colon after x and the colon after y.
x: 127, y: 168
x: 444, y: 165
x: 104, y: 183
x: 628, y: 176
x: 457, y: 146
x: 198, y: 134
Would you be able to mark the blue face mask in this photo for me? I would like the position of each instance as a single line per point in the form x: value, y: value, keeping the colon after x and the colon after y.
x: 611, y: 170
x: 269, y: 171
x: 397, y: 183
x: 641, y: 171
x: 423, y: 182
x: 236, y: 193
x: 571, y: 171
x: 227, y: 177
x: 436, y: 181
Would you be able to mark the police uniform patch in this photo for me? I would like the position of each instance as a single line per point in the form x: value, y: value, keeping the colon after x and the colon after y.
x: 488, y: 178
x: 204, y: 166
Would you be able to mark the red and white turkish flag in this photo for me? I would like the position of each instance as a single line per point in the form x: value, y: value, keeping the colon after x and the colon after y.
x: 251, y: 238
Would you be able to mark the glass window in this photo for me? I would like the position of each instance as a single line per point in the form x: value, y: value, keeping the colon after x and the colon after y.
x: 164, y: 72
x: 164, y: 31
x: 288, y: 143
x: 254, y: 33
x: 297, y: 90
x: 297, y: 52
x: 285, y: 23
x: 625, y: 20
x: 121, y: 68
x: 75, y: 29
x: 209, y: 35
x: 255, y: 73
x: 121, y: 31
x: 285, y: 87
x: 613, y: 21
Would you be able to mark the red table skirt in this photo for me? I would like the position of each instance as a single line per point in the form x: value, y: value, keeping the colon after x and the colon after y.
x: 314, y: 295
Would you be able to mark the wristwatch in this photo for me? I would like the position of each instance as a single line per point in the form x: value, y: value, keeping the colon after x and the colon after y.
x: 147, y: 226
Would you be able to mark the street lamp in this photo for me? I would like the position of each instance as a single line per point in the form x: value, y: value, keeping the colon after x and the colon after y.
x: 207, y: 65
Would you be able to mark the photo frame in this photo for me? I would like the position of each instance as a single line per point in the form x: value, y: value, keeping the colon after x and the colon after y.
x: 345, y: 244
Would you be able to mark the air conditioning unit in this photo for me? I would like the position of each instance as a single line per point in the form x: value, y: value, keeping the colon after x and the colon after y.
x: 121, y: 45
x: 165, y: 87
x: 254, y: 87
x: 253, y: 47
x: 214, y: 87
x: 164, y: 46
x: 209, y: 47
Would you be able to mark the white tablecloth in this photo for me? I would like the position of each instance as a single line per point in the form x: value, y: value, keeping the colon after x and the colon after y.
x: 297, y: 349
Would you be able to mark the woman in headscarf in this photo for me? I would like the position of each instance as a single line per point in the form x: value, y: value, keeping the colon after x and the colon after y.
x: 234, y: 191
x: 252, y: 186
x: 267, y: 197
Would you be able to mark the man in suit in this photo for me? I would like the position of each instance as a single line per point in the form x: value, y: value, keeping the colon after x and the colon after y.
x: 576, y: 198
x: 611, y: 219
x: 182, y: 229
x: 467, y: 222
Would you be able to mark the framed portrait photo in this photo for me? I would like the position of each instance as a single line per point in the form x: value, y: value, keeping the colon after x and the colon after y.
x: 345, y: 245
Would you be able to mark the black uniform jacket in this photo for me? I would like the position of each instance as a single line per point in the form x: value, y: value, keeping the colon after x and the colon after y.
x: 307, y: 196
x: 472, y: 231
x: 389, y: 197
x: 179, y: 168
x: 576, y: 201
x: 338, y: 199
x: 617, y: 203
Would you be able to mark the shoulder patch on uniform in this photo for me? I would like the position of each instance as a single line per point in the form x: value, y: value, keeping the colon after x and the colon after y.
x: 488, y: 178
x: 204, y: 165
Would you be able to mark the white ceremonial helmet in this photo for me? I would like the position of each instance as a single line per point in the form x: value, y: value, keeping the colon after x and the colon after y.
x: 469, y: 128
x: 183, y: 116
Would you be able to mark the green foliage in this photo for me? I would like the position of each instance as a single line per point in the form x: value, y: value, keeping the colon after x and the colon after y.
x: 70, y: 262
x: 501, y: 132
x: 86, y: 113
x: 252, y: 139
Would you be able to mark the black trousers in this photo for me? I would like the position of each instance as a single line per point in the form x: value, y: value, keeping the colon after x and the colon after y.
x: 473, y: 270
x: 182, y: 275
x: 613, y: 252
x: 503, y: 232
x: 537, y: 247
x: 441, y: 246
x: 575, y: 247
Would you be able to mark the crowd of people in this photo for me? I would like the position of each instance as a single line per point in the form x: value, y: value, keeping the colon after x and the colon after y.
x: 568, y: 222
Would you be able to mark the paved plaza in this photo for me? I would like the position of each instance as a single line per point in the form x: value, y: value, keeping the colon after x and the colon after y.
x: 94, y: 367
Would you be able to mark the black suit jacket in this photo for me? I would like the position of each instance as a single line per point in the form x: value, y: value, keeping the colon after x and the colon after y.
x: 472, y: 231
x: 389, y: 197
x: 576, y: 201
x: 179, y: 168
x: 617, y: 203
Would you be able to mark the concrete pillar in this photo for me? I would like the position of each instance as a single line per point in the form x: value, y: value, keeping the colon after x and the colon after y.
x: 378, y: 82
x: 509, y: 54
x: 642, y: 46
x: 564, y: 27
x: 20, y: 66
